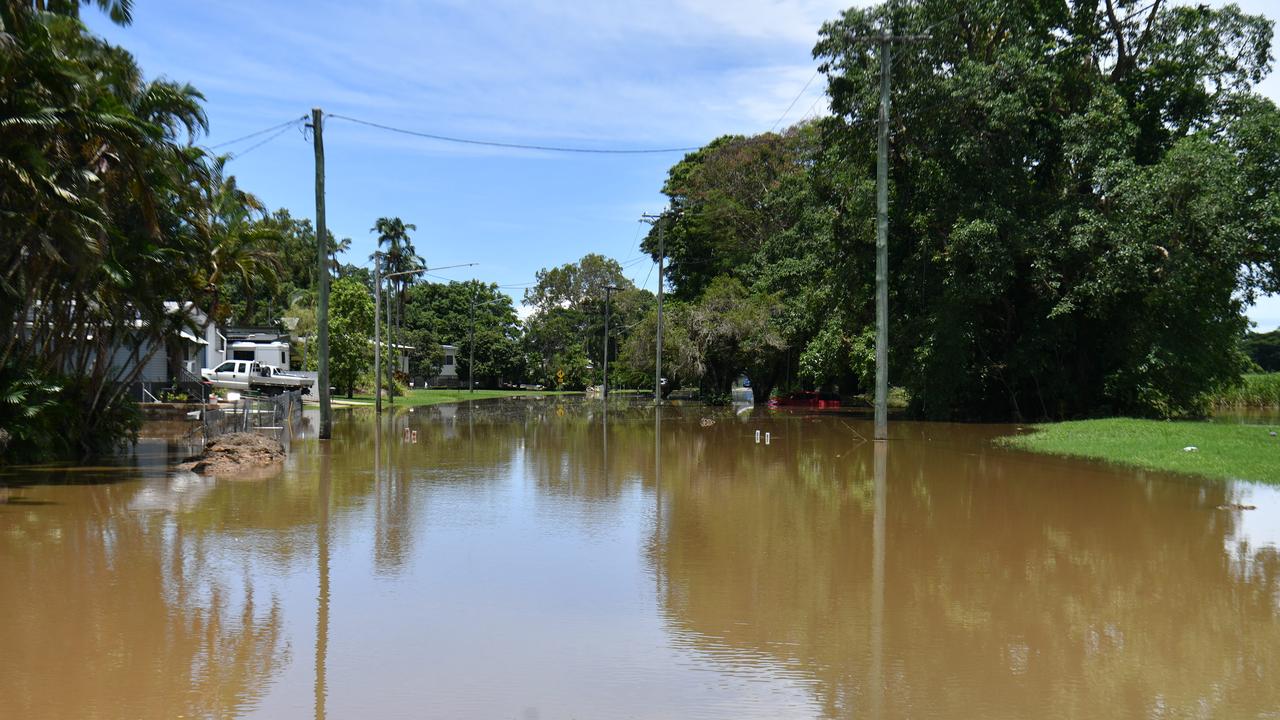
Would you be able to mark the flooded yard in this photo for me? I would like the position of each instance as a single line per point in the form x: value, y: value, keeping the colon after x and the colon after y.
x: 546, y: 559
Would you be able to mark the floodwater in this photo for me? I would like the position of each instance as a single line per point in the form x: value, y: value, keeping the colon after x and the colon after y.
x: 544, y: 559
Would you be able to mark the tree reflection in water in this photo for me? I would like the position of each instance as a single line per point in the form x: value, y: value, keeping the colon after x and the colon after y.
x: 981, y: 588
x: 935, y: 577
x: 117, y: 614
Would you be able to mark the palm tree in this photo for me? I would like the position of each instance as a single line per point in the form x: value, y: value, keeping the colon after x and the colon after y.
x: 336, y: 249
x: 101, y: 204
x: 236, y: 245
x: 399, y: 257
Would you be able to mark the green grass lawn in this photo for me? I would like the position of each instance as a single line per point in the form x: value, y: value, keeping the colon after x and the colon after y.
x: 435, y: 396
x: 1224, y: 450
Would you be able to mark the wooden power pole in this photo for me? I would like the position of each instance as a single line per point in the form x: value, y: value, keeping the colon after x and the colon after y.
x: 886, y: 41
x: 608, y: 293
x: 657, y: 364
x: 322, y: 279
x: 377, y: 335
x: 882, y: 248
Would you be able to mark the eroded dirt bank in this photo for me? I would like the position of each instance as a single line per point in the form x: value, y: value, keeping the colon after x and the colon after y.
x: 235, y: 452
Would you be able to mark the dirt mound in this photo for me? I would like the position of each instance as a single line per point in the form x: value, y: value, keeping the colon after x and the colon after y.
x: 235, y: 452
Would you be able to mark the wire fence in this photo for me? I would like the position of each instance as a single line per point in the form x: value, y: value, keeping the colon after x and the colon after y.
x: 277, y: 413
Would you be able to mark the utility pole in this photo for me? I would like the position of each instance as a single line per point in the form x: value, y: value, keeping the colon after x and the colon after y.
x: 885, y: 40
x: 658, y: 220
x: 377, y: 335
x: 471, y: 344
x: 608, y: 293
x: 882, y: 248
x: 391, y: 345
x: 471, y: 364
x: 377, y: 317
x: 322, y: 278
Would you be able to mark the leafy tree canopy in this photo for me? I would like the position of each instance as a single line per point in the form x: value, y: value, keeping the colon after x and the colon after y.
x: 1083, y: 197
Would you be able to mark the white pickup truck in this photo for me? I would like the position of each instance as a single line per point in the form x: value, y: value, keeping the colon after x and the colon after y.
x: 253, y: 376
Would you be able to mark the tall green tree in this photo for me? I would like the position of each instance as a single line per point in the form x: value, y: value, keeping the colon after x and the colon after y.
x: 399, y: 256
x: 1083, y: 197
x: 759, y: 210
x: 101, y: 192
x: 566, y: 330
x: 350, y: 327
x: 237, y: 243
x: 444, y: 312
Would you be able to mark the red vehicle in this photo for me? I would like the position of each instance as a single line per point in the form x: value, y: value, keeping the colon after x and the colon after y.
x: 806, y: 398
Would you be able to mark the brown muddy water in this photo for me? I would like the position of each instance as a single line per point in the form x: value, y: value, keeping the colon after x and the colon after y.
x: 541, y: 559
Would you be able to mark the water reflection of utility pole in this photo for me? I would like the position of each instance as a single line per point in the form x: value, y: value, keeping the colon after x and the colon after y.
x: 876, y: 679
x: 322, y: 570
x: 381, y: 503
x: 657, y: 465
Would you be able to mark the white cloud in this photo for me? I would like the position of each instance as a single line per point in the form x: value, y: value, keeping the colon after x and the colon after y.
x: 665, y: 73
x: 1265, y: 313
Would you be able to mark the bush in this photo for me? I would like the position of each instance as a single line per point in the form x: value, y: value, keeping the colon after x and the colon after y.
x: 1255, y: 390
x: 44, y: 419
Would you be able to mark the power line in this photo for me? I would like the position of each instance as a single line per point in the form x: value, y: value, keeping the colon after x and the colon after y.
x: 259, y: 132
x: 269, y: 138
x: 794, y: 100
x: 517, y: 146
x: 648, y: 275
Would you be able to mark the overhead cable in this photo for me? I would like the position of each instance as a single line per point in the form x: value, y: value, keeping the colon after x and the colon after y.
x: 794, y: 100
x: 264, y: 131
x: 516, y: 146
x: 260, y: 143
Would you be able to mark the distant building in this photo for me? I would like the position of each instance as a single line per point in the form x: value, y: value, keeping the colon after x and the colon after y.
x: 176, y: 360
x: 448, y: 375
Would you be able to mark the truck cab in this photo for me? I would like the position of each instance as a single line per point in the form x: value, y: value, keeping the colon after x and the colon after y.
x: 232, y: 374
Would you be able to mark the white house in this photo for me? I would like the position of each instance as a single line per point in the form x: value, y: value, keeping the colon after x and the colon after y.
x: 177, y: 359
x: 448, y: 375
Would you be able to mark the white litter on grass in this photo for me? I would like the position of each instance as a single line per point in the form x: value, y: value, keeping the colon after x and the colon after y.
x: 1191, y: 448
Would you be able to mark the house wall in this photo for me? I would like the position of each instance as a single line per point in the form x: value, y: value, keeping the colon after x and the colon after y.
x: 213, y: 354
x: 155, y: 371
x: 448, y: 375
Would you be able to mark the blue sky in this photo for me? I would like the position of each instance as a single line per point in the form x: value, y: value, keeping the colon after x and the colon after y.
x: 604, y: 74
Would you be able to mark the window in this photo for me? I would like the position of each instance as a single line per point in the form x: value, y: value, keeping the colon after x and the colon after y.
x: 226, y: 367
x: 448, y: 360
x: 242, y: 354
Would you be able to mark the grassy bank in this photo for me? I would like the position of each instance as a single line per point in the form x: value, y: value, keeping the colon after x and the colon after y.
x: 1256, y: 390
x: 1223, y: 450
x: 415, y: 398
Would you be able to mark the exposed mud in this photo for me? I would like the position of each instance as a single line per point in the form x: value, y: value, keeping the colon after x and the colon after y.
x: 235, y: 453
